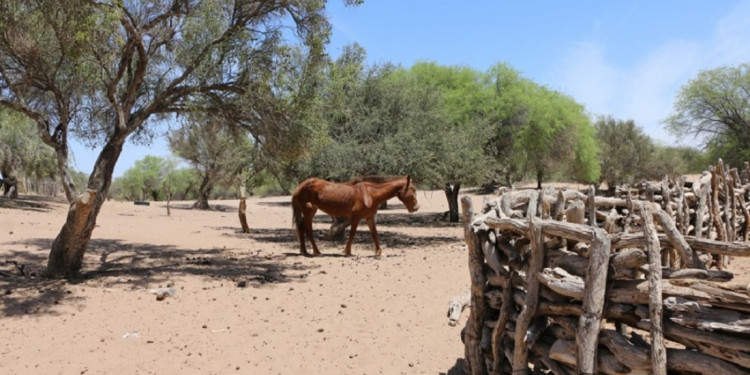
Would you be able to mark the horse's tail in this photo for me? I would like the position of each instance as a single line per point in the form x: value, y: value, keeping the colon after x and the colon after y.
x: 296, y: 213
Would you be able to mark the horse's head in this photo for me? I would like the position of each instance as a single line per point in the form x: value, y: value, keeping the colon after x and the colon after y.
x: 408, y: 195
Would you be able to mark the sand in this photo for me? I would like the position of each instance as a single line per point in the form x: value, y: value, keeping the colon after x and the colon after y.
x: 241, y: 303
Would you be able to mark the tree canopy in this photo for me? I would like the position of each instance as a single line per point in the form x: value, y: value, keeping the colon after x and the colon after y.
x: 108, y: 71
x: 715, y: 106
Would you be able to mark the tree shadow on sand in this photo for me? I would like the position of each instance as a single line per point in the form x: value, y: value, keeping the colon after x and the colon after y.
x: 135, y: 266
x: 30, y: 203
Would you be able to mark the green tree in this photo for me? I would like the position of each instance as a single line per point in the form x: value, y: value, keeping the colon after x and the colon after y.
x: 460, y: 121
x: 626, y: 151
x: 129, y: 64
x: 47, y: 67
x: 216, y: 153
x: 716, y: 106
x: 557, y: 136
x: 22, y: 155
x: 673, y: 162
x: 143, y: 180
x: 507, y: 112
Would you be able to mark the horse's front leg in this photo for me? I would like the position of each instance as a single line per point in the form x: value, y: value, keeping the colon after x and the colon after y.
x: 374, y: 234
x: 352, y: 231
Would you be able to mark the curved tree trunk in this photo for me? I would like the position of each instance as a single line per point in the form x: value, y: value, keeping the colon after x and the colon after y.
x: 204, y: 193
x: 10, y: 186
x: 338, y: 226
x: 68, y: 248
x: 451, y: 193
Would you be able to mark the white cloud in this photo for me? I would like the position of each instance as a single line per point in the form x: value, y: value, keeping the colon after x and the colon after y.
x: 645, y: 91
x: 730, y: 40
x: 651, y: 86
x: 589, y: 78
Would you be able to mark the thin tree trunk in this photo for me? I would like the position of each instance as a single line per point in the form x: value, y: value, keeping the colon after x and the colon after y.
x: 69, y: 187
x: 451, y: 194
x: 168, y: 193
x: 243, y: 209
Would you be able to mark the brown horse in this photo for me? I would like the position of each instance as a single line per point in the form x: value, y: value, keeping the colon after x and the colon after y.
x: 354, y: 200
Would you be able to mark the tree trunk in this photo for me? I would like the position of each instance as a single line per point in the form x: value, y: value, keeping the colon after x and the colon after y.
x: 204, y: 193
x: 451, y: 193
x: 338, y: 226
x: 243, y: 209
x: 168, y: 194
x: 69, y: 187
x: 539, y: 178
x: 68, y: 248
x: 10, y: 186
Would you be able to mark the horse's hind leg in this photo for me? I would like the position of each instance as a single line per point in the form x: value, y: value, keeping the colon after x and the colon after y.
x: 307, y: 223
x: 374, y: 234
x: 301, y: 237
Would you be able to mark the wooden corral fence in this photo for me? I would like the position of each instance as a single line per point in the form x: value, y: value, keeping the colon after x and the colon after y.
x: 564, y: 282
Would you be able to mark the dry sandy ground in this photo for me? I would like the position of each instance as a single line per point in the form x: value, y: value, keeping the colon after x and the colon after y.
x: 325, y: 315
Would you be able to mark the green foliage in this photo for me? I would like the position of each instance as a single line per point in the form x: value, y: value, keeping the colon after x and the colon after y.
x: 21, y: 151
x: 390, y: 121
x: 716, y: 106
x: 555, y: 136
x: 217, y: 152
x: 626, y: 151
x: 152, y: 177
x: 674, y: 162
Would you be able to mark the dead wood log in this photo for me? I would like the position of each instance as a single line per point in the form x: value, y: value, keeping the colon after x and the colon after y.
x: 457, y: 304
x: 536, y: 262
x: 704, y: 245
x: 561, y: 282
x: 696, y: 362
x: 507, y: 309
x: 575, y: 213
x: 591, y: 206
x: 687, y: 258
x: 593, y: 302
x: 627, y: 262
x: 559, y: 208
x: 473, y: 331
x: 701, y: 274
x: 701, y: 188
x: 634, y: 356
x: 658, y: 351
x: 567, y: 260
x: 564, y: 352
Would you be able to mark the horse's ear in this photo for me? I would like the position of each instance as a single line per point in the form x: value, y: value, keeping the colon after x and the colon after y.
x: 408, y: 181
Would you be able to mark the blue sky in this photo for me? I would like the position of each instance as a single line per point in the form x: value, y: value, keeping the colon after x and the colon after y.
x: 626, y: 58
